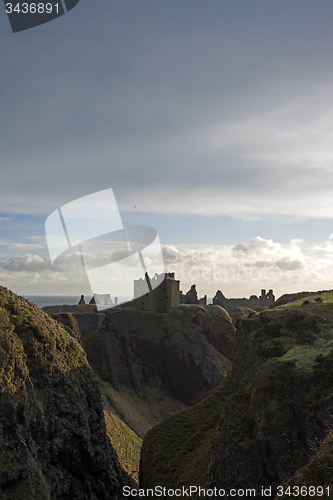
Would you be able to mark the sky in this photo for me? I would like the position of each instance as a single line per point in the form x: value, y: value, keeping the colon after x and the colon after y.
x: 211, y: 121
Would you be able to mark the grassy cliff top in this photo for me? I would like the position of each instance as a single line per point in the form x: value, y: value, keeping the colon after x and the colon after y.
x: 297, y: 298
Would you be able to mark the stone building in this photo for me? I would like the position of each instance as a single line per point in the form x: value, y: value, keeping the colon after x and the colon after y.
x: 160, y: 299
x: 254, y: 302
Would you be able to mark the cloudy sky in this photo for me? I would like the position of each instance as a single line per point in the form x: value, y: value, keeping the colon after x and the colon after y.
x: 211, y: 120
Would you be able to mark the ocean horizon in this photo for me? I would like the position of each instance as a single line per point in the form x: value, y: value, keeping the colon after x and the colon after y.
x: 60, y: 300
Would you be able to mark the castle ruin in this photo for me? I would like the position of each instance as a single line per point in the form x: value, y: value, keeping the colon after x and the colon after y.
x: 167, y: 295
x: 160, y: 299
x: 254, y: 302
x: 191, y: 297
x: 164, y: 297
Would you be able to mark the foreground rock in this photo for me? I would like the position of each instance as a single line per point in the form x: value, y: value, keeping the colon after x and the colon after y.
x: 52, y: 432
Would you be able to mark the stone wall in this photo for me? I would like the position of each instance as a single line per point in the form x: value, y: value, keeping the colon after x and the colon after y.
x: 254, y: 302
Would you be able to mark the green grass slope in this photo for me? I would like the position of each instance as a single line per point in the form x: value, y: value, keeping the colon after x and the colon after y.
x: 183, y: 449
x: 294, y: 299
x: 126, y: 443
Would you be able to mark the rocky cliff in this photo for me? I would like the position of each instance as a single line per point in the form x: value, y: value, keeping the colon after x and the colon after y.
x: 183, y: 355
x: 53, y: 440
x: 262, y: 424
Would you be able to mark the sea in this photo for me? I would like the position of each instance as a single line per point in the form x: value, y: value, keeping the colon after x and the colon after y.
x: 53, y: 300
x: 60, y: 300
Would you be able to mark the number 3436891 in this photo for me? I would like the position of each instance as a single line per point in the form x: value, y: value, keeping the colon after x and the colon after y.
x: 33, y: 8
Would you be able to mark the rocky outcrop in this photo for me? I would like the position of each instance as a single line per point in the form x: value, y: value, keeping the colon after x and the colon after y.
x: 183, y: 355
x: 52, y: 432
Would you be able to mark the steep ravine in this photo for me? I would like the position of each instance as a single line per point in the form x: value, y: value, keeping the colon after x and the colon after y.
x: 150, y: 366
x: 156, y: 364
x: 262, y: 423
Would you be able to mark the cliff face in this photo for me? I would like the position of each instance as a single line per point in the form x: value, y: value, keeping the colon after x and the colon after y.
x: 266, y: 416
x: 182, y: 355
x: 52, y: 433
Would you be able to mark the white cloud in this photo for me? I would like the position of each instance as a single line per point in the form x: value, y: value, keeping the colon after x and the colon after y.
x: 237, y: 270
x: 21, y: 246
x: 27, y: 263
x: 34, y: 238
x: 31, y: 274
x: 242, y: 270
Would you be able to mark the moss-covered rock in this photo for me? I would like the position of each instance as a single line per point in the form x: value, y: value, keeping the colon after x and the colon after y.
x: 53, y: 440
x: 69, y: 323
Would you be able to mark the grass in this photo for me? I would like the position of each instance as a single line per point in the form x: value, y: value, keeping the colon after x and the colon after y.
x: 323, y: 314
x: 300, y: 297
x: 139, y: 414
x: 183, y: 449
x: 126, y: 443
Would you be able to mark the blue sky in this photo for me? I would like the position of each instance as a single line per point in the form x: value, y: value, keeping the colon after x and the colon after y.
x: 212, y: 122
